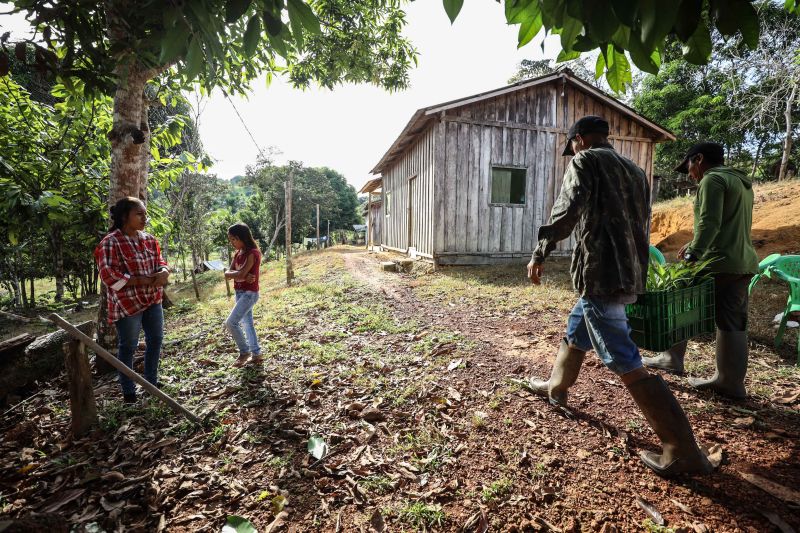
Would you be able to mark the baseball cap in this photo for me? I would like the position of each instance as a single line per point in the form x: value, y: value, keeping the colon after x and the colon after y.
x: 583, y: 126
x: 712, y: 152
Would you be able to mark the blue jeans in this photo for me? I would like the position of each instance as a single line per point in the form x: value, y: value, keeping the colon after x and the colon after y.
x: 128, y: 328
x: 595, y: 323
x: 242, y: 314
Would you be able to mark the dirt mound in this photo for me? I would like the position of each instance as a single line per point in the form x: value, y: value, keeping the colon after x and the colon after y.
x: 776, y: 221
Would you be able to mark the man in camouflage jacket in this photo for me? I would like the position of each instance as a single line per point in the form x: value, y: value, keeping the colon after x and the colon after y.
x: 605, y: 199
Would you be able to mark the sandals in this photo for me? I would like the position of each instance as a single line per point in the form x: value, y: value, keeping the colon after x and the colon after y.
x: 241, y: 360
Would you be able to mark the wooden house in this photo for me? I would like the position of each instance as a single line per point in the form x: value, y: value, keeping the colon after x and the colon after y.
x: 373, y: 212
x: 470, y: 181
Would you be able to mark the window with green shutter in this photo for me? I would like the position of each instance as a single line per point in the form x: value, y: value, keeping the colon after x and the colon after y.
x: 508, y: 185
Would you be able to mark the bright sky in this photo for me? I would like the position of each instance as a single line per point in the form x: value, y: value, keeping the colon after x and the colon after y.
x: 350, y: 128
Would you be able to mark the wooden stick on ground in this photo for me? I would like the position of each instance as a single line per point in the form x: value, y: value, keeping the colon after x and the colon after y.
x: 113, y: 361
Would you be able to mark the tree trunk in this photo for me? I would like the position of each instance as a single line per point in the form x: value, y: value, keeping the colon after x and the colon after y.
x: 57, y: 249
x: 130, y: 155
x: 761, y: 142
x: 787, y: 141
x: 33, y: 293
x: 21, y: 283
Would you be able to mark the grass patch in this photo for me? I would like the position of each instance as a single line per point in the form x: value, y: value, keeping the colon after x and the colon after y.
x: 499, y: 489
x: 377, y: 484
x: 420, y: 514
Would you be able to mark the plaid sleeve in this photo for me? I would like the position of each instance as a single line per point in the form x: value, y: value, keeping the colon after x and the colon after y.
x: 108, y: 265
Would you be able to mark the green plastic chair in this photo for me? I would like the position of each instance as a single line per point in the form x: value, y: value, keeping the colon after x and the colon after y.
x: 786, y: 268
x: 656, y: 255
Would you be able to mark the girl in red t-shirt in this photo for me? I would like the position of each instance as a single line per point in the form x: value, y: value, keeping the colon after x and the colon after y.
x: 244, y: 273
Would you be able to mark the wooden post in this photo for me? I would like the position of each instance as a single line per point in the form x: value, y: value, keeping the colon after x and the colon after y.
x: 81, y: 395
x: 287, y: 185
x: 318, y: 243
x: 368, y: 240
x: 328, y: 235
x: 196, y: 288
x: 101, y: 352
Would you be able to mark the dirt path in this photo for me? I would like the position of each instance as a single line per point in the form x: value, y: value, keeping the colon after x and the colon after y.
x: 594, y: 456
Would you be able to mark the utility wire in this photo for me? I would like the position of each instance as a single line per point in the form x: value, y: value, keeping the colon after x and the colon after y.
x: 252, y: 138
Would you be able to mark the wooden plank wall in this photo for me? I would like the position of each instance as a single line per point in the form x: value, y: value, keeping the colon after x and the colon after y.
x: 417, y: 163
x: 377, y: 222
x: 526, y: 128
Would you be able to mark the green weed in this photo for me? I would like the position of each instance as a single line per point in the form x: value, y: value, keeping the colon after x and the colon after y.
x: 420, y: 515
x: 497, y: 490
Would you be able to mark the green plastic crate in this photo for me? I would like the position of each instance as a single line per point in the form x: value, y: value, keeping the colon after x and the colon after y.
x: 661, y: 319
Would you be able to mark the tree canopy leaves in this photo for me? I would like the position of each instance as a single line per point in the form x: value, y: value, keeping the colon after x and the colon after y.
x: 638, y: 28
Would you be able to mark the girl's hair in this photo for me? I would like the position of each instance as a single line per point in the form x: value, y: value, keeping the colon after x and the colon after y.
x: 241, y: 231
x: 120, y: 210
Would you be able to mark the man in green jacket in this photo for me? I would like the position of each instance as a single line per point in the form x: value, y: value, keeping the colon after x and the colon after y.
x: 723, y: 215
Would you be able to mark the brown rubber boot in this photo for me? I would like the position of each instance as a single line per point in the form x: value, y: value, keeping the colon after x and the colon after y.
x: 564, y: 374
x: 731, y: 358
x: 670, y: 360
x: 680, y: 453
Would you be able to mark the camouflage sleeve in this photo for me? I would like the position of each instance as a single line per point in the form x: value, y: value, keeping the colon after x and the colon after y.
x: 567, y: 209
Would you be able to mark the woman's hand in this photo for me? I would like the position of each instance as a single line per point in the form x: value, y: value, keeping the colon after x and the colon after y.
x: 161, y: 278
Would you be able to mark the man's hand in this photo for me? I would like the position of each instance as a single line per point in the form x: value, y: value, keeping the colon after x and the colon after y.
x: 682, y: 251
x: 250, y: 278
x: 535, y: 271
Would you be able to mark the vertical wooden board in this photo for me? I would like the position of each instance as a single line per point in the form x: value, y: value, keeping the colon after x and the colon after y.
x: 439, y: 184
x: 512, y: 107
x: 474, y: 188
x: 519, y: 160
x: 484, y: 215
x: 461, y: 191
x: 451, y: 154
x: 507, y: 238
x: 529, y: 220
x: 542, y: 182
x: 577, y: 105
x: 496, y: 212
x: 559, y: 101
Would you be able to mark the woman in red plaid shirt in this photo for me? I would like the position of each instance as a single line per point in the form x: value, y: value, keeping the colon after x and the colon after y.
x: 131, y: 266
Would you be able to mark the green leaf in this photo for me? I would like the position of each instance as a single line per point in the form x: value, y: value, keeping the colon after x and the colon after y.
x: 697, y: 49
x: 235, y: 9
x: 317, y: 447
x: 519, y: 11
x: 689, y: 16
x: 273, y: 23
x: 600, y: 20
x: 748, y: 20
x: 252, y: 35
x: 657, y: 19
x: 599, y: 66
x: 298, y: 10
x: 571, y: 29
x: 173, y: 45
x: 13, y: 238
x: 625, y: 11
x: 528, y: 30
x: 453, y: 8
x: 194, y: 60
x: 642, y: 58
x: 567, y: 56
x: 618, y: 73
x: 238, y: 524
